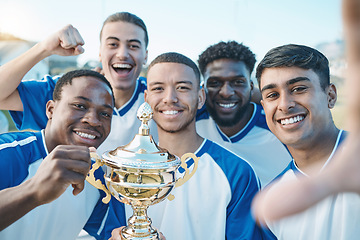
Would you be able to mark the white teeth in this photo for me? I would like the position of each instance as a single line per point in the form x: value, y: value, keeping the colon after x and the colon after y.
x: 121, y: 65
x: 292, y: 120
x: 85, y: 135
x: 171, y: 112
x: 227, y: 105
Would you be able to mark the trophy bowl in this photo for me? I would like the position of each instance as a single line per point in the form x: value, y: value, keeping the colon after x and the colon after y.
x: 140, y: 174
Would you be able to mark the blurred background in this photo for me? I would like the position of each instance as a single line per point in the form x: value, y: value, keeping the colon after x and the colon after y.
x: 186, y: 26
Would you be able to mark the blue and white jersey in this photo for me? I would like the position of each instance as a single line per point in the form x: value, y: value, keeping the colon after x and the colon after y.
x: 125, y: 124
x: 334, y: 218
x: 4, y: 124
x: 21, y: 154
x: 213, y: 204
x: 255, y: 143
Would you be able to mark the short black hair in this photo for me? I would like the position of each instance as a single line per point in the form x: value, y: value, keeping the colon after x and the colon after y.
x: 67, y: 78
x: 174, y: 57
x: 129, y: 18
x: 292, y: 55
x: 229, y: 50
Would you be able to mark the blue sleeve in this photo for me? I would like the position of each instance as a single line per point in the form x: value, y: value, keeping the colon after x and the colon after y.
x: 240, y: 223
x: 34, y: 95
x: 17, y: 151
x: 105, y: 217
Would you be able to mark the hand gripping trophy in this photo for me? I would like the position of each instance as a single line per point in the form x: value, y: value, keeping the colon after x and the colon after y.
x: 140, y: 174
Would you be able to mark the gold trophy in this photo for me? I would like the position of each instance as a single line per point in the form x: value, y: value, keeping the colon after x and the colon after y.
x: 140, y: 174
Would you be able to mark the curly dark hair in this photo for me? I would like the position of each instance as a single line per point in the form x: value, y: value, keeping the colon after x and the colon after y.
x: 67, y: 78
x: 231, y: 50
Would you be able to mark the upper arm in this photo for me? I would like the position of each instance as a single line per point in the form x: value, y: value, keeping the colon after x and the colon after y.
x: 12, y: 102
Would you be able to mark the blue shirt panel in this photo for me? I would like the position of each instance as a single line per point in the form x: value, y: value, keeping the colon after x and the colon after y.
x: 141, y: 87
x: 18, y: 150
x: 258, y: 119
x: 34, y: 95
x: 293, y: 167
x: 244, y: 185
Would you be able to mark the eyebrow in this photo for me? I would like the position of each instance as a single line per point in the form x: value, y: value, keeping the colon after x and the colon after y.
x: 288, y: 83
x: 183, y: 81
x: 130, y: 40
x: 89, y: 100
x: 226, y: 78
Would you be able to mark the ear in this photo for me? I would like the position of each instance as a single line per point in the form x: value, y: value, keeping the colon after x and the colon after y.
x: 251, y: 85
x: 50, y: 109
x: 146, y: 57
x: 202, y: 98
x: 145, y: 95
x: 99, y: 56
x: 331, y: 95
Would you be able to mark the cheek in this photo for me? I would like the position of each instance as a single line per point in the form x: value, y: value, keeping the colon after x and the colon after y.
x: 151, y: 100
x: 269, y: 110
x: 210, y: 94
x: 107, y: 127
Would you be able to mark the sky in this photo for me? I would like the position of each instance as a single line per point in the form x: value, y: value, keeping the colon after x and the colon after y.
x: 184, y: 26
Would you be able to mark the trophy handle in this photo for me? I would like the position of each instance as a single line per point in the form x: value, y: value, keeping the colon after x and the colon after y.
x: 97, y: 183
x: 187, y: 175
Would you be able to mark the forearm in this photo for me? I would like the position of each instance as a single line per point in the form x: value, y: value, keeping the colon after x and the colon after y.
x: 351, y: 17
x: 15, y: 202
x: 13, y: 72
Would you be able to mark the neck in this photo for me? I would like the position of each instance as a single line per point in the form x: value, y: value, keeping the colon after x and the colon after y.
x: 49, y: 144
x: 181, y: 142
x: 243, y: 120
x: 311, y: 157
x: 122, y: 96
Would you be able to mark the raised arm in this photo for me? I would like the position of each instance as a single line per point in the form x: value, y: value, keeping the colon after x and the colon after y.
x: 342, y: 174
x: 65, y: 42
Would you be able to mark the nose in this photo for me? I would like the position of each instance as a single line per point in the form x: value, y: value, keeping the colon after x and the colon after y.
x: 122, y: 52
x: 286, y: 102
x: 226, y: 90
x: 91, y: 117
x: 170, y: 96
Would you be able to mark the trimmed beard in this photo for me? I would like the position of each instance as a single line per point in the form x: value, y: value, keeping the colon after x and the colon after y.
x: 228, y: 122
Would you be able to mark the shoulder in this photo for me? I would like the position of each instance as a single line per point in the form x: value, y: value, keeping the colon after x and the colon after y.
x: 227, y: 159
x: 17, y: 138
x: 202, y: 113
x: 142, y: 83
x: 259, y: 117
x: 27, y: 144
x: 47, y: 79
x: 289, y: 170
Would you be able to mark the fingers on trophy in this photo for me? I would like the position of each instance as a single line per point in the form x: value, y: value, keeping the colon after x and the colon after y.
x: 141, y: 174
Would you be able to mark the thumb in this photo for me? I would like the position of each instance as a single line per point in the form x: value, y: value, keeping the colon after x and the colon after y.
x: 79, y: 50
x: 78, y: 188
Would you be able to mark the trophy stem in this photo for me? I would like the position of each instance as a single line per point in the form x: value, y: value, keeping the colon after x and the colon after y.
x: 139, y: 226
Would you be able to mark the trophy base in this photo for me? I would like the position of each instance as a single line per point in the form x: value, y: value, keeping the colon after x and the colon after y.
x: 139, y: 226
x: 128, y: 233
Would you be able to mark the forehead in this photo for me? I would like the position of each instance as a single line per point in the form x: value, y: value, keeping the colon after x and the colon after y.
x: 226, y: 68
x: 123, y: 31
x: 88, y: 87
x: 171, y: 73
x: 282, y: 76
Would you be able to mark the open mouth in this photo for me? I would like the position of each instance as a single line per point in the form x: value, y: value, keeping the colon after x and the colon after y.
x: 292, y: 120
x: 227, y: 105
x: 85, y: 135
x: 122, y: 68
x: 170, y: 112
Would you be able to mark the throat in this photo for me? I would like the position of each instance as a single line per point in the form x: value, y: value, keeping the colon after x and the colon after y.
x: 122, y: 96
